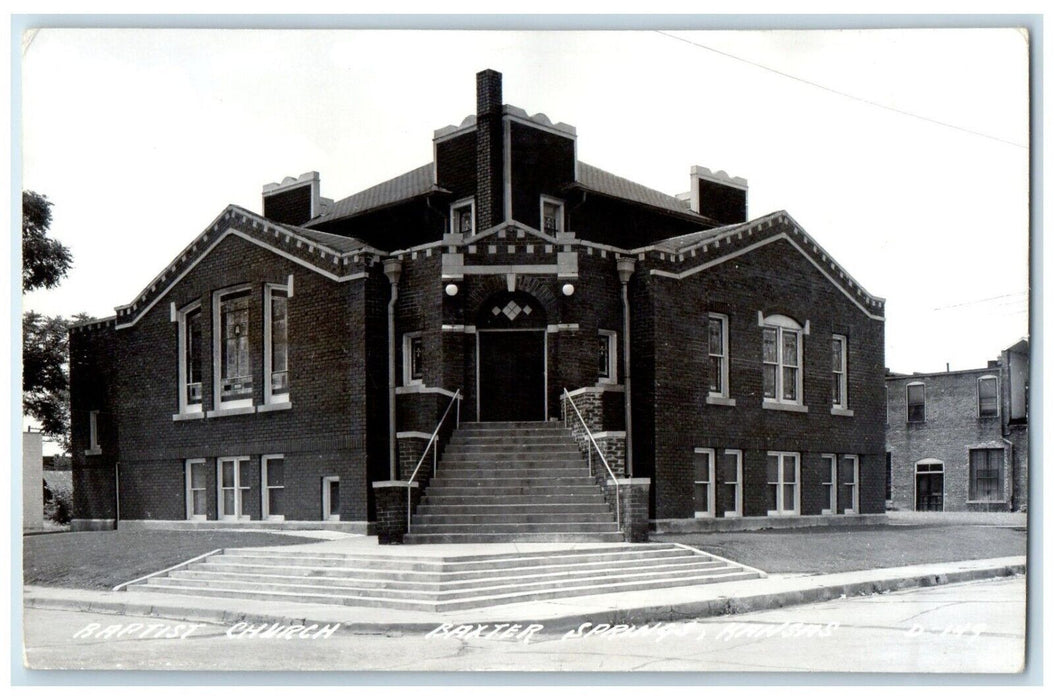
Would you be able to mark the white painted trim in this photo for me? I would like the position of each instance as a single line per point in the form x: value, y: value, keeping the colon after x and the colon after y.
x: 597, y: 389
x: 197, y: 415
x: 557, y: 327
x: 506, y: 269
x: 754, y: 246
x: 618, y: 434
x: 271, y: 407
x: 843, y: 400
x: 238, y: 503
x: 710, y: 486
x: 188, y: 492
x: 550, y: 128
x: 559, y: 203
x: 458, y: 328
x: 930, y: 462
x: 781, y: 510
x: 265, y: 489
x: 470, y: 202
x: 738, y: 454
x: 783, y: 325
x: 93, y: 434
x: 422, y: 389
x: 845, y: 412
x: 326, y: 506
x: 415, y: 434
x: 208, y: 249
x: 855, y: 510
x: 720, y: 401
x: 771, y: 405
x: 506, y: 169
x: 831, y: 482
x: 269, y: 290
x: 724, y: 394
x: 236, y: 411
x: 181, y: 370
x: 504, y: 226
x: 218, y: 404
x: 612, y: 369
x: 407, y: 357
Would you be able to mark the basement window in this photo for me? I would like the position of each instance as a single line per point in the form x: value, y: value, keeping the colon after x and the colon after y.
x: 272, y: 478
x: 197, y: 483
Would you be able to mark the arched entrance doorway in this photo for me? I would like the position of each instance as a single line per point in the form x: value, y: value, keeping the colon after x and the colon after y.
x: 511, y: 350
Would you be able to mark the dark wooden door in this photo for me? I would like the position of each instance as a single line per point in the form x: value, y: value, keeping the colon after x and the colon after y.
x: 929, y: 492
x: 512, y: 375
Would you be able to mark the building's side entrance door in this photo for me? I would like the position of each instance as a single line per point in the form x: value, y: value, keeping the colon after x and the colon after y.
x: 929, y: 491
x: 511, y: 358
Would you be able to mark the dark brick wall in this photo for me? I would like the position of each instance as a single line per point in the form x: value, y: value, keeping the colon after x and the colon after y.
x: 456, y: 164
x: 541, y: 162
x: 623, y: 224
x: 92, y: 370
x: 322, y: 434
x: 951, y: 428
x: 292, y: 206
x: 774, y: 278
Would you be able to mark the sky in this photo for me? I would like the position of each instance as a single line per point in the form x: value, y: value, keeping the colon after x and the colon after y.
x: 902, y: 152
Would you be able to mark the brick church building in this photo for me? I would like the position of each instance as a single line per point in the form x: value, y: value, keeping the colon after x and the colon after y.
x: 291, y: 365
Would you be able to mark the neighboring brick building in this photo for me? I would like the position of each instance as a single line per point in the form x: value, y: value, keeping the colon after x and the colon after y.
x: 959, y: 440
x: 250, y: 379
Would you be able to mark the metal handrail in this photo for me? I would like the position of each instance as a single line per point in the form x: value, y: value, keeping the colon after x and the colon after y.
x: 589, y: 456
x: 435, y: 452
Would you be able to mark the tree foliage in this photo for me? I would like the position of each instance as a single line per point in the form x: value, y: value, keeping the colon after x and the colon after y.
x: 45, y: 373
x: 45, y: 261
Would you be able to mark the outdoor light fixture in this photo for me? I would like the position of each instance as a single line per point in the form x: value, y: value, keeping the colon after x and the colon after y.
x: 451, y: 290
x: 568, y: 289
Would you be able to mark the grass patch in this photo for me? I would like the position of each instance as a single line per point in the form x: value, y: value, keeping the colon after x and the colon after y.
x: 101, y: 560
x: 831, y: 550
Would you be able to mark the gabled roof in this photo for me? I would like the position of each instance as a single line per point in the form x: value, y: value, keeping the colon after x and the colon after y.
x: 419, y: 181
x: 325, y: 253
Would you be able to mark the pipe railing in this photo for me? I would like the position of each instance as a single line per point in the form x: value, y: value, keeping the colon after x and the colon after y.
x: 589, y: 456
x: 433, y: 444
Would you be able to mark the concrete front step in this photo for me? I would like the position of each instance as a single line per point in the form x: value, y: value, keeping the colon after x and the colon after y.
x: 462, y: 446
x: 451, y: 575
x: 489, y: 537
x: 451, y: 591
x: 453, y: 517
x: 512, y: 482
x: 511, y: 491
x: 376, y: 600
x: 494, y: 528
x: 470, y: 434
x: 454, y: 497
x: 512, y: 510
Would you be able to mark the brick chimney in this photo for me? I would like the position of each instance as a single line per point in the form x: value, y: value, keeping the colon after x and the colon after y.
x: 295, y: 201
x: 489, y: 150
x: 719, y: 195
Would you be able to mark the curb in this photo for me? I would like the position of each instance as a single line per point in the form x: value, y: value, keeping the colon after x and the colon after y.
x: 725, y: 605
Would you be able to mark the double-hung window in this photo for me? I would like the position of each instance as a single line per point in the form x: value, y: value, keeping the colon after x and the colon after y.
x: 781, y: 360
x: 607, y: 364
x: 849, y: 484
x: 276, y: 343
x: 232, y: 482
x: 552, y: 216
x: 197, y: 482
x: 463, y: 216
x: 916, y: 400
x: 703, y: 477
x: 272, y: 482
x: 782, y: 470
x: 839, y: 384
x: 829, y: 497
x: 717, y: 349
x: 413, y: 359
x: 191, y: 359
x: 988, y: 397
x: 232, y: 359
x: 986, y: 475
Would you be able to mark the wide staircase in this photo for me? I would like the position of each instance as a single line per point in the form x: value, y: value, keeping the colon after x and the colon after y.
x: 406, y: 581
x: 513, y: 482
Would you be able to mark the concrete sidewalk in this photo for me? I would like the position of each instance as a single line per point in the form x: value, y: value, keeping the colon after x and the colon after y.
x: 774, y: 591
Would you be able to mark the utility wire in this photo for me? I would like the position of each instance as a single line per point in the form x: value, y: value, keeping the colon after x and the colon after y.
x: 840, y: 93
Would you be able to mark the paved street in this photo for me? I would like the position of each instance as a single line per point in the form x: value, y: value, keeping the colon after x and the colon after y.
x: 971, y: 627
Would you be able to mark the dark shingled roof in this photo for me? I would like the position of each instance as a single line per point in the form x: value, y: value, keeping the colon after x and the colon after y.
x: 594, y: 179
x: 341, y: 244
x: 415, y: 183
x: 420, y: 181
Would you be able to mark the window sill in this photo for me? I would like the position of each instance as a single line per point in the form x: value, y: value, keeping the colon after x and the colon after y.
x: 190, y: 415
x: 333, y: 519
x: 847, y: 412
x: 720, y: 401
x: 239, y: 411
x: 198, y: 518
x: 275, y: 518
x: 778, y: 514
x: 777, y: 406
x: 988, y: 503
x: 279, y: 406
x: 93, y: 452
x: 703, y: 516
